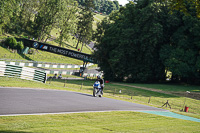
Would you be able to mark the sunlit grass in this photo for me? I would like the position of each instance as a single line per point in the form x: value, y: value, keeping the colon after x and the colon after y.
x: 66, y: 76
x: 97, y: 122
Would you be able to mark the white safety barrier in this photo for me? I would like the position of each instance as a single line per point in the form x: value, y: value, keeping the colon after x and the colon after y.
x: 17, y: 71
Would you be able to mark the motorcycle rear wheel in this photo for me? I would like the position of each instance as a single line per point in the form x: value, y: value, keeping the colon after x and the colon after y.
x: 94, y: 92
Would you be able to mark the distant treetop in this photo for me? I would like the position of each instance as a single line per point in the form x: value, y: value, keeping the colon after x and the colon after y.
x: 102, y: 6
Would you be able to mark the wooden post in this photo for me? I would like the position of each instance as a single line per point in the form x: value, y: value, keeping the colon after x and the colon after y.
x: 65, y: 83
x: 50, y: 81
x: 132, y: 95
x: 149, y: 99
x: 114, y: 92
x: 81, y: 86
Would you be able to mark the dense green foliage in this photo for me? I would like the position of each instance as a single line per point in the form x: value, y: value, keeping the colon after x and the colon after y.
x: 67, y: 20
x: 20, y: 45
x: 12, y: 43
x: 84, y: 28
x: 37, y: 18
x: 182, y: 5
x: 141, y: 41
x: 6, y: 13
x: 102, y: 6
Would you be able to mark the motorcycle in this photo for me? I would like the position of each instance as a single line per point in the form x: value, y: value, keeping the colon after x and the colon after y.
x: 97, y: 91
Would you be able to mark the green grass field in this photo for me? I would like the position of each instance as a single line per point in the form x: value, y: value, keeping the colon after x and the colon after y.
x: 96, y: 122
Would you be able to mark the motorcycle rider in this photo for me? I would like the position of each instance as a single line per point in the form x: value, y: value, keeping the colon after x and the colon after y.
x: 60, y: 76
x: 101, y: 82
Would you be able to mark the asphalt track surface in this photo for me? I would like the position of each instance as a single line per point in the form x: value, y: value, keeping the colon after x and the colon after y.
x: 24, y: 101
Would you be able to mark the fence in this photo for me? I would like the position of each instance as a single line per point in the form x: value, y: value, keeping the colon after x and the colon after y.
x: 9, y: 70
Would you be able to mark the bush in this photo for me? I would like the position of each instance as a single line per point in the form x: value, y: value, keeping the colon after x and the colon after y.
x: 11, y: 42
x: 6, y: 41
x: 20, y: 45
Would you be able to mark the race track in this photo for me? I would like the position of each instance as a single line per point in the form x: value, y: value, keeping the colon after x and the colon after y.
x: 22, y: 101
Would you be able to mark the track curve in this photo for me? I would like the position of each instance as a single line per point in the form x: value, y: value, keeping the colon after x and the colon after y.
x: 24, y: 101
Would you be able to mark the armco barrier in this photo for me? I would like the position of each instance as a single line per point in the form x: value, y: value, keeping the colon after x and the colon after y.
x: 22, y: 72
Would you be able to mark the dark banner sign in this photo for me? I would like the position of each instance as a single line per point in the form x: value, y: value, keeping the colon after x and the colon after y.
x: 57, y: 50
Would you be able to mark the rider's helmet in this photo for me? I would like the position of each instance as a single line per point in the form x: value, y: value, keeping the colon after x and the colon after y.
x: 98, y: 77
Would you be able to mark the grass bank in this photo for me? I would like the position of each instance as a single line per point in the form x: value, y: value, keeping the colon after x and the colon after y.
x: 43, y: 56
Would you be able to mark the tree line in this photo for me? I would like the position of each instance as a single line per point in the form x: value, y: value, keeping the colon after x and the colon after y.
x: 37, y: 18
x: 102, y: 6
x: 142, y: 42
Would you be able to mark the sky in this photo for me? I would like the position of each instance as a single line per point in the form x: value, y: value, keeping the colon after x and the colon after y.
x: 122, y: 2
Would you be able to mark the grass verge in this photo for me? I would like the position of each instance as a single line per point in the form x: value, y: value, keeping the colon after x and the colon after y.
x: 96, y: 122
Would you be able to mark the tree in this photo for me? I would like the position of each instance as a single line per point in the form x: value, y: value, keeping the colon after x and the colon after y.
x: 67, y: 19
x: 129, y: 44
x: 103, y: 6
x: 142, y: 41
x: 45, y: 18
x: 182, y: 56
x: 84, y: 28
x: 117, y: 5
x: 6, y: 12
x: 28, y: 10
x: 182, y: 5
